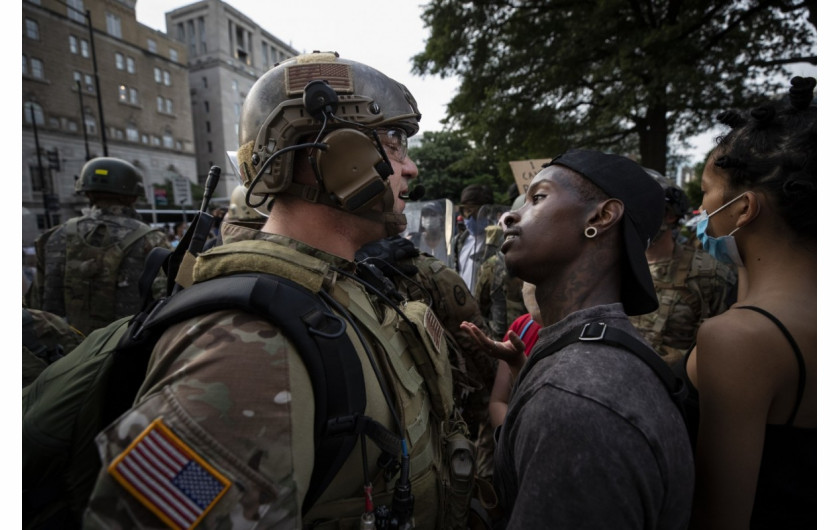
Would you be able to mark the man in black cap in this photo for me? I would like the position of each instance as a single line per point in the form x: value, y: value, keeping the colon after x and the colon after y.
x: 592, y: 438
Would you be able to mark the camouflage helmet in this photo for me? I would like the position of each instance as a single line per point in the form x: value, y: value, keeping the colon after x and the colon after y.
x: 274, y: 113
x: 110, y: 175
x: 675, y: 199
x: 239, y: 209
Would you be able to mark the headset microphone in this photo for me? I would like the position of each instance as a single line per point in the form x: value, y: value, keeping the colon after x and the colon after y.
x: 415, y: 194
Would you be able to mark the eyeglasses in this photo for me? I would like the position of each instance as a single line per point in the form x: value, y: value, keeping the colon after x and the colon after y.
x: 395, y: 142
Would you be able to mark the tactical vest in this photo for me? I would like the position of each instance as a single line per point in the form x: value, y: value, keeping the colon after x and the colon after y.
x: 91, y: 276
x: 410, y: 350
x: 684, y: 286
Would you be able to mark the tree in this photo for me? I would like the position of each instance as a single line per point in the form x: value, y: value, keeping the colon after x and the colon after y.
x: 541, y: 76
x: 447, y: 163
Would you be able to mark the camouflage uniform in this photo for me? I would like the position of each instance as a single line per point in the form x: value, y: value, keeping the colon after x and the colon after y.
x: 691, y: 287
x: 235, y: 391
x: 46, y: 337
x: 85, y: 276
x: 499, y: 295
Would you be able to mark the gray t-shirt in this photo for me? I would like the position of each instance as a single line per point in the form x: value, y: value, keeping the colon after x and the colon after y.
x: 593, y: 440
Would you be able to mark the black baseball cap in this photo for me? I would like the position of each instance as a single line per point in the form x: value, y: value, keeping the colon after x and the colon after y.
x: 625, y: 180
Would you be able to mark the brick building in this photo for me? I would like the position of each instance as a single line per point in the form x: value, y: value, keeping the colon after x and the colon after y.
x: 141, y: 105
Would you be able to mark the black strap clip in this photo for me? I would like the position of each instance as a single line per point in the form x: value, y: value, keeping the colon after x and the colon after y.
x: 593, y: 331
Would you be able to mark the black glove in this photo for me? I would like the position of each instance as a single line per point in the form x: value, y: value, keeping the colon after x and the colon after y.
x: 389, y: 254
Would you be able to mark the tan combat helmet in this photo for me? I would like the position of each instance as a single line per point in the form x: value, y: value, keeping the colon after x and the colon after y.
x: 336, y: 109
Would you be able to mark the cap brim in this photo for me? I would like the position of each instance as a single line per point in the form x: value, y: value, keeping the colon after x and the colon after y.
x: 638, y: 294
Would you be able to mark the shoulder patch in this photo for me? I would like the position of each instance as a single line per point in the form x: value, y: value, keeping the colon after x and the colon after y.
x: 168, y: 477
x: 460, y: 295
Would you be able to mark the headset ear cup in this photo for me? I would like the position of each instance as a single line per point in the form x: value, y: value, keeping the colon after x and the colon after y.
x: 351, y: 169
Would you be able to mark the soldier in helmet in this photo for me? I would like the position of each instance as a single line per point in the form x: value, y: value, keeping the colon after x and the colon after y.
x: 88, y: 268
x: 325, y: 139
x: 691, y: 285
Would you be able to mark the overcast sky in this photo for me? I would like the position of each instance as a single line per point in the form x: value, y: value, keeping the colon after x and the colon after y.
x: 384, y: 34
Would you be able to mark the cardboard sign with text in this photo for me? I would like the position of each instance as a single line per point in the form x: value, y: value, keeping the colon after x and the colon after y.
x: 525, y: 170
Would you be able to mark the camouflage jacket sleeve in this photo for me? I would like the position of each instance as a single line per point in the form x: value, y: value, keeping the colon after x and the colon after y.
x: 217, y: 403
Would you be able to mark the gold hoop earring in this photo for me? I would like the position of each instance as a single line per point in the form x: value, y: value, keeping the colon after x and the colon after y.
x: 590, y: 232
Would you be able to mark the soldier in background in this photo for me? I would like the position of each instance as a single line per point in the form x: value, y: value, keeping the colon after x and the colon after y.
x: 499, y: 294
x: 88, y: 268
x: 691, y: 285
x: 46, y: 338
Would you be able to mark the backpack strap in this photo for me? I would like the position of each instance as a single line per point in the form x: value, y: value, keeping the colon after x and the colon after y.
x: 600, y: 332
x: 318, y: 335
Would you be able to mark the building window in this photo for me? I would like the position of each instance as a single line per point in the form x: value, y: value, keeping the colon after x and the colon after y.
x: 119, y: 59
x: 133, y: 96
x: 167, y: 79
x: 118, y: 133
x: 156, y: 141
x: 182, y: 36
x: 204, y: 81
x: 160, y: 104
x: 30, y: 108
x: 191, y: 37
x: 69, y: 125
x: 179, y: 145
x: 132, y: 134
x: 173, y: 55
x: 85, y: 47
x: 89, y: 83
x: 74, y: 45
x: 144, y: 138
x: 201, y: 35
x: 169, y: 107
x: 76, y: 10
x: 206, y: 106
x: 158, y: 75
x: 209, y: 147
x: 25, y: 70
x: 208, y: 126
x: 168, y: 141
x: 152, y: 45
x: 265, y: 53
x: 123, y: 93
x: 90, y: 123
x: 129, y: 65
x: 36, y: 67
x: 35, y: 178
x: 32, y: 29
x: 113, y: 25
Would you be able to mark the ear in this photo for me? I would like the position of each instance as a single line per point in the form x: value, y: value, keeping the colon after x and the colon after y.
x: 606, y: 214
x: 747, y: 210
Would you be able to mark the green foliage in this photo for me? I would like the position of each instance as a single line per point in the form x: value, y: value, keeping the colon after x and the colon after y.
x: 447, y: 163
x: 692, y: 187
x: 540, y: 77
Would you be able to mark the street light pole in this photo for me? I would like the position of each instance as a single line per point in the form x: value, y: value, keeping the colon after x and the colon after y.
x: 44, y: 190
x: 96, y: 79
x: 84, y: 125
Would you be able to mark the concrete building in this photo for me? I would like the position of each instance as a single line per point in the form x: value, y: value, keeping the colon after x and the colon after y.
x: 96, y: 82
x: 227, y: 52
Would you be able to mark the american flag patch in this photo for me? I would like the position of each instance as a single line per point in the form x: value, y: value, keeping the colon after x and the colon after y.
x: 168, y: 477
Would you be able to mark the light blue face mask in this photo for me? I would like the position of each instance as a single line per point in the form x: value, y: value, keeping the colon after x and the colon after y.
x: 475, y: 226
x: 723, y: 248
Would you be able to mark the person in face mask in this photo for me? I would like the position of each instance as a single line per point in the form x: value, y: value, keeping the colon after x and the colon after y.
x: 753, y: 372
x: 468, y: 246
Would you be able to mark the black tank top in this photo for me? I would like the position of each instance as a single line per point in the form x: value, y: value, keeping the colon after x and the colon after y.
x: 786, y: 493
